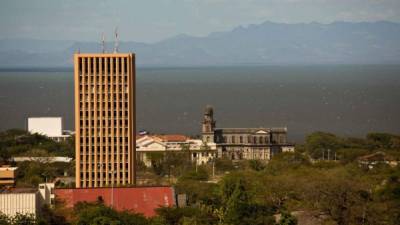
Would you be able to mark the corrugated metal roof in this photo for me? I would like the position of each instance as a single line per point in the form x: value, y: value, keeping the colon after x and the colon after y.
x: 139, y: 199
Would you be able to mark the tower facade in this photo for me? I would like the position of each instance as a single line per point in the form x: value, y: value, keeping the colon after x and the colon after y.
x: 105, y: 115
x: 208, y: 125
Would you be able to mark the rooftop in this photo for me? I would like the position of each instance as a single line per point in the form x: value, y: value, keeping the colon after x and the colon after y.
x: 167, y: 137
x: 18, y: 190
x: 7, y: 168
x: 140, y: 199
x: 252, y: 130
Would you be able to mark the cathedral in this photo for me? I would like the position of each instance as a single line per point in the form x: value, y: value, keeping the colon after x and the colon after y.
x: 244, y: 143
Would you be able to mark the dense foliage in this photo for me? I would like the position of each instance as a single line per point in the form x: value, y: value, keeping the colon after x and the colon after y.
x: 21, y: 143
x: 16, y: 142
x: 291, y: 188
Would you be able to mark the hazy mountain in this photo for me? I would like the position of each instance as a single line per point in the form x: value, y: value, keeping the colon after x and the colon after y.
x: 266, y: 43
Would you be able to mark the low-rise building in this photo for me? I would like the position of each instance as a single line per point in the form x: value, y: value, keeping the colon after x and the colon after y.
x: 162, y: 144
x: 244, y: 143
x: 8, y: 175
x: 202, y: 152
x: 375, y: 159
x: 15, y: 201
x: 19, y: 201
x: 51, y: 127
x: 51, y: 159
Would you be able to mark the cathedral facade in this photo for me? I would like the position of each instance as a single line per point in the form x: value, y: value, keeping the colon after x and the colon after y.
x: 244, y: 143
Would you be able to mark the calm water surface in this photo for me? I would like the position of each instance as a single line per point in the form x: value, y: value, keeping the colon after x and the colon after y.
x: 347, y: 100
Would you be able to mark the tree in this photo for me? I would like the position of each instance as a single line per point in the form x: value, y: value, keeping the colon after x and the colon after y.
x: 318, y: 142
x: 380, y: 140
x: 4, y: 220
x: 201, y: 174
x: 287, y: 219
x: 256, y: 165
x: 341, y: 194
x: 51, y: 217
x: 236, y: 204
x: 390, y: 194
x: 224, y: 165
x: 24, y: 219
x: 186, y: 215
x: 99, y: 214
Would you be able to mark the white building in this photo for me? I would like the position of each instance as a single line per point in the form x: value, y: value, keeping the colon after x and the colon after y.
x: 46, y: 191
x: 26, y: 200
x: 288, y: 148
x: 200, y: 153
x: 48, y: 126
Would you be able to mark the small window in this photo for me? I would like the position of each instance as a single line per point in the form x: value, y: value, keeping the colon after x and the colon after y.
x: 80, y: 66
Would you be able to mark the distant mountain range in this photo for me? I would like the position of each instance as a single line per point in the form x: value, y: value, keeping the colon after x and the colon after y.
x: 266, y: 43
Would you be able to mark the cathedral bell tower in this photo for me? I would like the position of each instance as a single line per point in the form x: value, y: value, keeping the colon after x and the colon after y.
x: 208, y: 125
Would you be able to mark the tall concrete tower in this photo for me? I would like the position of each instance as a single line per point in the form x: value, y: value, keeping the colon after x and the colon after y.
x: 105, y: 115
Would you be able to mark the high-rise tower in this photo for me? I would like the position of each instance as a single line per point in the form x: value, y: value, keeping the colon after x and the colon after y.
x: 105, y: 119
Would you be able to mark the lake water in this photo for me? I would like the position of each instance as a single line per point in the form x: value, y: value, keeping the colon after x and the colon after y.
x: 349, y: 100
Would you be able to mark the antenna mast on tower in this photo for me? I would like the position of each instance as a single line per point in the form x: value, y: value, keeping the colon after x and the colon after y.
x: 103, y: 43
x: 116, y: 41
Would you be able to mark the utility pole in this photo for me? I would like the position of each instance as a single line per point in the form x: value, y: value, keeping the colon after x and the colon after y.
x: 213, y: 167
x: 116, y: 44
x: 169, y: 174
x: 112, y: 188
x: 112, y: 194
x: 329, y: 154
x: 323, y: 155
x: 103, y: 43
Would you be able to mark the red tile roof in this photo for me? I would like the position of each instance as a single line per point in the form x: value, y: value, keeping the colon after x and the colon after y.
x: 173, y: 137
x: 139, y: 199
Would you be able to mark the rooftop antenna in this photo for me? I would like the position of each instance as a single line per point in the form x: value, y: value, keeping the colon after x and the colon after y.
x: 116, y: 40
x: 103, y: 43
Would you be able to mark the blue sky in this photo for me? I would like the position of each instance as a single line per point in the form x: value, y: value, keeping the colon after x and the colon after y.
x: 154, y: 20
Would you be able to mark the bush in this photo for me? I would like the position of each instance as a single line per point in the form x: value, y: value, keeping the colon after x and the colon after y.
x: 201, y: 174
x: 97, y: 213
x: 287, y: 219
x: 256, y: 165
